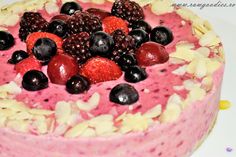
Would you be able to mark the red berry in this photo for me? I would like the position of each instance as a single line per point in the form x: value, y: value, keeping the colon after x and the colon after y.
x: 151, y: 53
x: 100, y: 69
x: 30, y: 63
x: 112, y: 23
x: 33, y: 37
x: 99, y: 13
x: 62, y: 17
x: 61, y: 68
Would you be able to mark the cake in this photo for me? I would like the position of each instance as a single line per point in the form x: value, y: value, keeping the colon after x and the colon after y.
x: 106, y: 79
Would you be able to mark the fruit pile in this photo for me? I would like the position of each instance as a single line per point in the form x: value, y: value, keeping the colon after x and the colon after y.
x: 81, y: 48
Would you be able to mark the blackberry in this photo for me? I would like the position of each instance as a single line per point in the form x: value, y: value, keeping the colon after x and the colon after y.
x: 84, y: 22
x: 77, y: 45
x: 31, y: 22
x: 128, y: 10
x: 124, y: 44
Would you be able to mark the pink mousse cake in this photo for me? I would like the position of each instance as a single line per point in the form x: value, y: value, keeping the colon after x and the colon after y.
x: 104, y: 78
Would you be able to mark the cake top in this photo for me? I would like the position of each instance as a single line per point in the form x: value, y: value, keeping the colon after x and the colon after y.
x: 72, y: 70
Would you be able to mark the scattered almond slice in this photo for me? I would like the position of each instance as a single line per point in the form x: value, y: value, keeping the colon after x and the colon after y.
x: 91, y: 104
x: 11, y: 88
x: 204, y: 51
x: 209, y: 39
x: 162, y: 6
x: 180, y: 71
x: 154, y: 112
x: 183, y: 54
x: 19, y: 125
x: 2, y: 121
x: 207, y: 83
x: 225, y: 104
x: 40, y: 112
x: 60, y: 130
x: 196, y: 93
x: 41, y: 126
x: 143, y: 3
x: 21, y: 116
x: 98, y: 1
x: 51, y: 7
x: 62, y: 112
x: 13, y: 105
x: 171, y: 113
x: 89, y: 132
x: 174, y: 99
x: 190, y: 84
x: 76, y: 130
x: 7, y: 112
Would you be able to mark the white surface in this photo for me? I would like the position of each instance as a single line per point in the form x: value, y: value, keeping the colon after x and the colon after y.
x: 224, y: 133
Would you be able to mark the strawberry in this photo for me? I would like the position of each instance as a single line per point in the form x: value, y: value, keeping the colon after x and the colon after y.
x: 33, y: 37
x: 30, y: 63
x: 112, y: 23
x: 100, y: 69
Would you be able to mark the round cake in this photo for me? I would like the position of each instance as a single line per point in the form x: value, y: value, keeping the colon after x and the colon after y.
x: 97, y: 78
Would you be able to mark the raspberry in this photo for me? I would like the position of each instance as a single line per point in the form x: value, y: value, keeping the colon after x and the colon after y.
x: 112, y: 23
x: 128, y: 10
x: 84, y: 22
x: 77, y: 45
x: 124, y: 44
x: 31, y: 22
x: 28, y: 64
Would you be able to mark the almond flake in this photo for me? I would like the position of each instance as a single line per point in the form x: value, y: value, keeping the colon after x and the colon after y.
x: 204, y: 51
x: 11, y: 88
x: 13, y: 105
x: 190, y: 84
x: 207, y: 83
x: 89, y: 132
x: 19, y: 125
x: 154, y: 112
x: 162, y: 6
x: 98, y: 1
x: 186, y: 14
x: 76, y: 130
x: 185, y: 45
x: 40, y: 112
x: 209, y: 39
x: 62, y: 112
x: 41, y: 126
x: 184, y: 54
x: 178, y: 88
x: 91, y: 104
x: 51, y: 7
x: 60, y: 130
x: 171, y: 113
x: 201, y: 69
x: 174, y: 99
x: 103, y: 118
x: 2, y: 121
x: 180, y: 71
x: 196, y: 93
x: 212, y: 66
x: 21, y: 116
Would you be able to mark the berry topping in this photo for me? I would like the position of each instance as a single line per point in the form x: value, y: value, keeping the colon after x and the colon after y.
x: 70, y: 8
x: 61, y: 68
x: 6, y: 40
x: 135, y: 74
x: 140, y: 36
x: 18, y: 56
x: 77, y: 84
x: 128, y: 10
x: 58, y: 27
x: 99, y: 13
x: 124, y: 44
x: 162, y: 35
x: 61, y: 17
x: 77, y: 45
x: 126, y: 61
x: 151, y: 53
x: 101, y: 44
x: 84, y: 22
x: 33, y: 37
x: 124, y: 94
x: 34, y: 80
x: 31, y: 22
x: 44, y: 49
x: 100, y: 69
x: 112, y: 23
x: 27, y: 64
x: 141, y: 24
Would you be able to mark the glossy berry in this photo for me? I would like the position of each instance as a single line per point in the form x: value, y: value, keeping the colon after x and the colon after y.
x: 99, y: 69
x: 162, y: 35
x: 99, y: 13
x: 44, y: 49
x: 61, y: 68
x: 126, y: 61
x: 140, y: 36
x: 124, y: 94
x: 77, y: 84
x: 18, y: 56
x: 135, y: 74
x: 34, y: 80
x: 6, y: 40
x: 113, y: 23
x: 58, y: 27
x: 101, y: 43
x: 62, y: 17
x: 70, y: 8
x: 151, y: 53
x: 141, y: 24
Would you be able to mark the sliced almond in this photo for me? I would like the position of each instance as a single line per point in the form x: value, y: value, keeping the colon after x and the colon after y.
x: 51, y: 7
x: 207, y: 83
x: 41, y: 112
x: 91, y: 104
x: 76, y: 130
x: 162, y: 6
x: 180, y: 71
x: 171, y: 113
x: 154, y: 112
x: 62, y: 112
x: 19, y: 125
x: 89, y: 132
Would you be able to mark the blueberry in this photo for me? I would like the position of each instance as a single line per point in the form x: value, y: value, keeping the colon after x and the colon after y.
x: 162, y: 35
x: 126, y: 61
x: 34, y: 80
x: 70, y: 8
x: 77, y: 84
x: 44, y: 49
x: 142, y: 25
x: 140, y: 36
x: 18, y: 56
x: 6, y: 40
x: 58, y: 27
x: 135, y: 74
x: 124, y: 94
x: 101, y: 43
